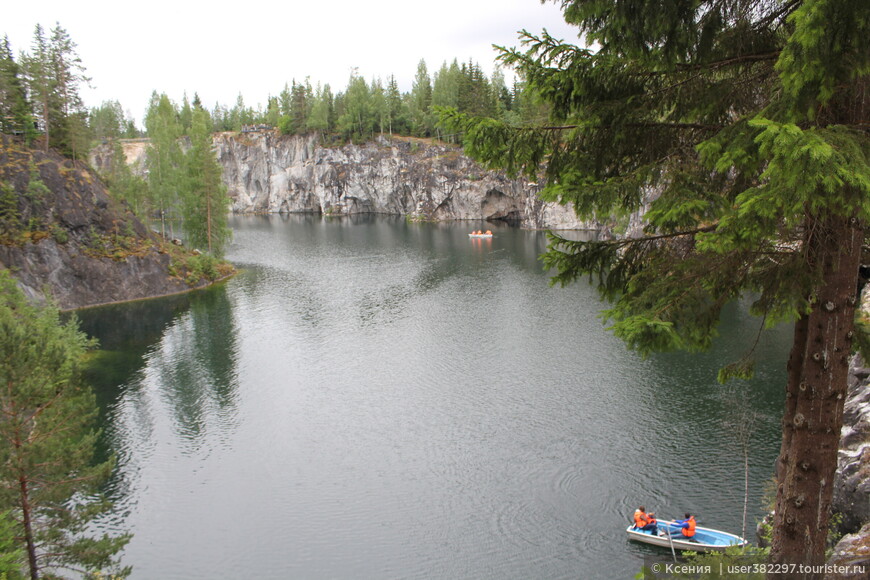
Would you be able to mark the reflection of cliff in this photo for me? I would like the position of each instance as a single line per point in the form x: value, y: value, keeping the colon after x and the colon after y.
x: 266, y: 172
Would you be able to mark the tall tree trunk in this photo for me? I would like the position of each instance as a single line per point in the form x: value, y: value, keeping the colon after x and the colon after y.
x: 45, y: 123
x: 27, y: 519
x: 208, y: 200
x: 818, y: 368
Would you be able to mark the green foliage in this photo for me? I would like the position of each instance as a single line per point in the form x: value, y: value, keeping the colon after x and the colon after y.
x: 732, y: 564
x: 109, y: 121
x: 204, y: 200
x: 49, y: 480
x: 664, y: 116
x: 126, y: 186
x: 202, y: 266
x: 165, y: 157
x: 60, y: 235
x: 740, y: 129
x: 9, y: 218
x: 53, y: 73
x: 11, y: 554
x: 15, y: 114
x: 36, y: 188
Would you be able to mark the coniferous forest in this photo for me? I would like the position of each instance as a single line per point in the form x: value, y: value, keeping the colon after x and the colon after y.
x: 40, y: 95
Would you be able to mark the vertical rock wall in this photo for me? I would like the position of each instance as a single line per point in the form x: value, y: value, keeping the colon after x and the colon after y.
x: 266, y: 172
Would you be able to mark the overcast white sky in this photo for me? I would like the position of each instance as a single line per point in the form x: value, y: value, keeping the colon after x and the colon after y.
x: 252, y: 47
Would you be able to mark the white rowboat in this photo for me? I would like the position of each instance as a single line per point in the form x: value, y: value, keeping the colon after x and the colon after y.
x: 704, y: 540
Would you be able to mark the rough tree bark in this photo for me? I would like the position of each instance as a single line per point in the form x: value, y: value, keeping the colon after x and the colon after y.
x: 817, y: 376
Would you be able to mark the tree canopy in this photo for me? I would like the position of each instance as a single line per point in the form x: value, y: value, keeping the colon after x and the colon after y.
x: 739, y: 130
x: 49, y: 482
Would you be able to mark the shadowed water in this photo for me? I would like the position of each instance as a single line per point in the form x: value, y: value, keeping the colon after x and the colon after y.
x: 375, y: 399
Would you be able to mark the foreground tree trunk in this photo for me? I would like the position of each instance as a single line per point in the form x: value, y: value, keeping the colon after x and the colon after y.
x: 818, y: 367
x: 28, y: 528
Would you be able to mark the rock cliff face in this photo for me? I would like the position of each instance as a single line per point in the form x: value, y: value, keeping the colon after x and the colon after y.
x: 852, y: 486
x: 62, y: 234
x: 266, y: 172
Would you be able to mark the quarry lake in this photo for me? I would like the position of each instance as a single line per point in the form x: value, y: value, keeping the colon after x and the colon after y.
x: 376, y: 399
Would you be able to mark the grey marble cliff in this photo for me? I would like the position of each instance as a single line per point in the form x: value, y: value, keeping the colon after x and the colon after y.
x: 267, y: 172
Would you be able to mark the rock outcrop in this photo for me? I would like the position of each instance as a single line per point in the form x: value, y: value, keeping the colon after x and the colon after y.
x: 62, y: 234
x: 267, y: 172
x: 852, y: 486
x: 851, y: 499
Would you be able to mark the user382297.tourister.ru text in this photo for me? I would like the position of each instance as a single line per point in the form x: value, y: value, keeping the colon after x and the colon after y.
x: 667, y: 569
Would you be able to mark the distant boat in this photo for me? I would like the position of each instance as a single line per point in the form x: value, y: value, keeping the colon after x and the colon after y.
x: 479, y: 235
x: 704, y: 540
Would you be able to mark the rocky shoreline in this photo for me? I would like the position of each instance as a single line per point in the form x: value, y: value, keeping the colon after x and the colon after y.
x: 69, y: 240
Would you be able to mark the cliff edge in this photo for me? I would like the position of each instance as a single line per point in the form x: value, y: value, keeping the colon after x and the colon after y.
x: 418, y: 178
x: 63, y: 235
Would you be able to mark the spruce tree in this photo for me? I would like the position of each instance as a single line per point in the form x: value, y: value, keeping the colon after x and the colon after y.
x: 15, y: 117
x: 420, y: 102
x: 741, y: 127
x: 48, y: 478
x: 398, y: 117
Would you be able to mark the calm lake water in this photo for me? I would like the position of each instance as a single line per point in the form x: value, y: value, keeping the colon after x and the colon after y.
x: 372, y: 399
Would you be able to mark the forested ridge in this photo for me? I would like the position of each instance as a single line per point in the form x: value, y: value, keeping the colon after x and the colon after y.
x: 39, y: 96
x: 40, y: 102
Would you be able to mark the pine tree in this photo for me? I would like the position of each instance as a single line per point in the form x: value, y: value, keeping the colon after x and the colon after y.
x: 47, y: 476
x: 742, y: 125
x: 53, y: 73
x: 15, y: 117
x: 68, y: 113
x: 39, y: 81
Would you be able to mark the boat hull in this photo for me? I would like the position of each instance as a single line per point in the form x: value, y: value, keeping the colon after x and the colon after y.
x: 705, y: 540
x: 479, y: 235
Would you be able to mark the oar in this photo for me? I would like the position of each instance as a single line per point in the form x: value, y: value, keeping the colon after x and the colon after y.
x: 671, y: 541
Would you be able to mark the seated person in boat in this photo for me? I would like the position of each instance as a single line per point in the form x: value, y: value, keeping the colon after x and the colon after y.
x: 645, y: 521
x: 687, y: 526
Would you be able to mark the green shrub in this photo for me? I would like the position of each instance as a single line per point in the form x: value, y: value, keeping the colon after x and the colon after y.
x: 60, y: 235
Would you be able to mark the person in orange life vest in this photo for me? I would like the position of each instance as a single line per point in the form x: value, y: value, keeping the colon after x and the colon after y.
x: 645, y: 521
x: 687, y: 526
